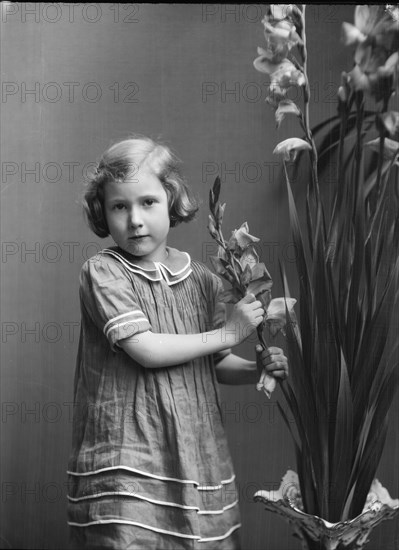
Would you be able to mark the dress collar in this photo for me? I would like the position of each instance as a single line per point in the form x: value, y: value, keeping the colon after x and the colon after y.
x: 174, y: 269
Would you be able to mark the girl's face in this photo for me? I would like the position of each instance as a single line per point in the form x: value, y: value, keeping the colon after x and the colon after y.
x: 137, y: 214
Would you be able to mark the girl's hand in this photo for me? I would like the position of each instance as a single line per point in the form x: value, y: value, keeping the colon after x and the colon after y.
x: 273, y: 364
x: 247, y: 314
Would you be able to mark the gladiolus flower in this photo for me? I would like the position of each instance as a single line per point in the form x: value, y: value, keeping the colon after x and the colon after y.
x: 379, y: 494
x: 280, y: 11
x: 290, y: 147
x: 284, y: 108
x: 283, y: 74
x: 376, y: 36
x: 276, y: 315
x: 280, y: 37
x: 372, y: 24
x: 266, y: 383
x: 241, y: 238
x: 380, y: 83
x: 390, y: 121
x: 249, y: 257
x: 391, y: 147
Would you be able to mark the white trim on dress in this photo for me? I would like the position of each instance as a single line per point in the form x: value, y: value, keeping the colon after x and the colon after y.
x: 129, y: 494
x: 128, y: 522
x: 155, y: 476
x: 229, y: 532
x: 135, y: 470
x: 156, y: 529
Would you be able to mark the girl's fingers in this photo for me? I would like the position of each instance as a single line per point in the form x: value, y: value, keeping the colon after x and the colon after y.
x: 276, y: 368
x: 281, y: 373
x: 273, y: 352
x: 275, y: 362
x: 270, y: 360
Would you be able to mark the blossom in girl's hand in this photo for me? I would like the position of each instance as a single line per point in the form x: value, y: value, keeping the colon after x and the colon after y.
x: 238, y: 262
x: 249, y: 258
x: 241, y: 238
x: 290, y: 147
x: 276, y: 316
x: 266, y: 383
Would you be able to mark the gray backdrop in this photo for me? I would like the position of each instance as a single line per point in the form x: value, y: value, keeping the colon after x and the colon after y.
x: 75, y: 79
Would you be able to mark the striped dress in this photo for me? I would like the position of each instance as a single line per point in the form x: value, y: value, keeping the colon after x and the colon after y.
x: 150, y: 465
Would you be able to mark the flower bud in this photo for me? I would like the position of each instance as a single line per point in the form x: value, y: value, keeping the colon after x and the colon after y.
x: 342, y: 95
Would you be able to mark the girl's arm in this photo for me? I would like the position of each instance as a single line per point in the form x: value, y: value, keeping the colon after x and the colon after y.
x: 235, y: 370
x: 155, y: 350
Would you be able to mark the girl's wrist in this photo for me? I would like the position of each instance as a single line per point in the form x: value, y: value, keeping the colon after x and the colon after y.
x: 232, y: 334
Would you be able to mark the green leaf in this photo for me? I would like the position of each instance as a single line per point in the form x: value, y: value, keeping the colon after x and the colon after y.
x: 259, y: 286
x: 212, y: 227
x: 368, y: 468
x: 259, y: 271
x: 265, y: 297
x: 230, y: 296
x: 246, y: 276
x: 212, y: 202
x: 297, y: 442
x: 303, y: 404
x: 306, y: 296
x: 219, y: 213
x: 216, y: 189
x: 342, y: 454
x: 217, y: 264
x: 371, y: 346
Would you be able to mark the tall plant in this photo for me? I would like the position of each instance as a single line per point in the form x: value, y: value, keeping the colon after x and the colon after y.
x: 343, y: 367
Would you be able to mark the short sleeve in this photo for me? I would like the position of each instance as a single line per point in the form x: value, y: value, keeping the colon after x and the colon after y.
x: 108, y: 296
x: 219, y: 316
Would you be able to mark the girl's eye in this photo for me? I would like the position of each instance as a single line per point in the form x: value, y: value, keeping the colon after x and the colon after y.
x: 149, y: 202
x: 118, y: 206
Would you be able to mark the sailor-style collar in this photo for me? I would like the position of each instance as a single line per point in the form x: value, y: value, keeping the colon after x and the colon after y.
x: 174, y: 269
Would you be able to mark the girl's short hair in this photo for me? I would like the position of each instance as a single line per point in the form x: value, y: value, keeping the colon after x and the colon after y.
x: 122, y: 161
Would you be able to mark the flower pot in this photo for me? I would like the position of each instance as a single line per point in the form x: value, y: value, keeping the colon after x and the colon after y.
x: 314, y: 532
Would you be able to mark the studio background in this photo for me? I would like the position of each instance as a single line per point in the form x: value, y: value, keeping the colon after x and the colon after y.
x: 76, y: 78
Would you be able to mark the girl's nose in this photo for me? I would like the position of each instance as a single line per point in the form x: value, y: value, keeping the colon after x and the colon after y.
x: 135, y: 218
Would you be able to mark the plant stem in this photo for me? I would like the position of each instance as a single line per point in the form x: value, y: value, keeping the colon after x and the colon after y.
x: 306, y: 118
x: 376, y: 192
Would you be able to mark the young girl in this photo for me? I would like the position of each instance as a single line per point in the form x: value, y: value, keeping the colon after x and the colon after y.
x: 150, y: 467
